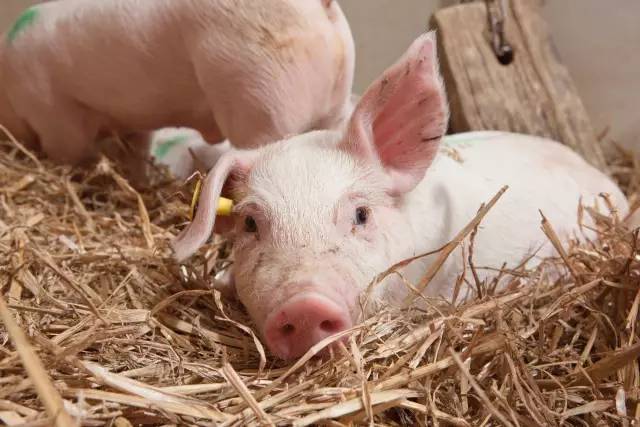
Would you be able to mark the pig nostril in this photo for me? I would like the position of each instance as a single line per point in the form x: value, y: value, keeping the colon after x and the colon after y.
x: 302, y: 322
x: 288, y: 329
x: 330, y: 326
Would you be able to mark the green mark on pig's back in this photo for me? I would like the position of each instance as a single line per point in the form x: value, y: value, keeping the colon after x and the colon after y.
x: 25, y: 20
x: 163, y: 148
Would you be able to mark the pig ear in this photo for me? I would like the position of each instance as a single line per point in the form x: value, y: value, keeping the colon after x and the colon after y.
x: 402, y: 116
x: 198, y: 232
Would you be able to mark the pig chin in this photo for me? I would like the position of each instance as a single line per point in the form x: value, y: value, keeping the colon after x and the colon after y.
x: 297, y: 306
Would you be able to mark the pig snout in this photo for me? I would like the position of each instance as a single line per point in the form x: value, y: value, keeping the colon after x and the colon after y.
x: 303, y: 321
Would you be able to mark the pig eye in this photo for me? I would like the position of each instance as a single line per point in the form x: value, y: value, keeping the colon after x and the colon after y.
x: 362, y: 215
x: 250, y: 225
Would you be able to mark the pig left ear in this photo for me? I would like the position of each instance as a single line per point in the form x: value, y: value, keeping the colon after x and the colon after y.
x: 402, y: 117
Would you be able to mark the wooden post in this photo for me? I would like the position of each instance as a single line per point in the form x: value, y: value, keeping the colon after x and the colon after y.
x: 534, y: 94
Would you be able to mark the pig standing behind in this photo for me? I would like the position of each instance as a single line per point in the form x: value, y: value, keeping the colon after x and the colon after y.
x: 184, y: 151
x: 250, y: 71
x: 320, y: 215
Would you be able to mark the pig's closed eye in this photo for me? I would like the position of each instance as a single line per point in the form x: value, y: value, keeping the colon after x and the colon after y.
x: 250, y: 225
x: 362, y: 215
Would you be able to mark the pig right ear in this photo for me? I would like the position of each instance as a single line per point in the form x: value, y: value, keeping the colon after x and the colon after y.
x: 402, y: 117
x: 199, y: 230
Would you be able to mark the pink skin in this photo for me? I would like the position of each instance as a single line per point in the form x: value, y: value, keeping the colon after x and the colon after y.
x: 279, y: 247
x: 320, y: 215
x: 303, y: 321
x: 85, y: 68
x: 194, y: 154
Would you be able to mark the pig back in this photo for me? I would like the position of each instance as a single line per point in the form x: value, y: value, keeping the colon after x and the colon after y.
x: 542, y: 176
x: 133, y: 62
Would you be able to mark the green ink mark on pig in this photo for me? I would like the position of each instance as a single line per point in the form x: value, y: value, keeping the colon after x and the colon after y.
x: 25, y: 20
x: 163, y: 148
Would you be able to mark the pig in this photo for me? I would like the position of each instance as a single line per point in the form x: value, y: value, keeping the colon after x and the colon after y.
x: 319, y: 216
x: 184, y: 151
x: 71, y: 71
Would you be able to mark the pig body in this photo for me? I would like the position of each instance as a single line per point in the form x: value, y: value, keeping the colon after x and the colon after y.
x: 468, y: 171
x: 542, y: 175
x: 319, y: 216
x: 252, y: 72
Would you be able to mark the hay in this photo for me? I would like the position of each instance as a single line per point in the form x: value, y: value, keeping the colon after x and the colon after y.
x: 120, y: 335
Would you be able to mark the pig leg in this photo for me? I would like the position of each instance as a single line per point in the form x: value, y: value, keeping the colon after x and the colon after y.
x: 68, y: 138
x: 130, y: 152
x: 262, y: 126
x: 69, y: 144
x: 212, y: 135
x: 136, y: 163
x: 260, y: 123
x: 255, y: 110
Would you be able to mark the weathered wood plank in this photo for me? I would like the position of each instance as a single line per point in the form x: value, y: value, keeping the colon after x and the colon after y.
x: 534, y: 94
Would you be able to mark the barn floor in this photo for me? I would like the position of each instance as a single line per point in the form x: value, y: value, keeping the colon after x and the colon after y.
x: 124, y: 336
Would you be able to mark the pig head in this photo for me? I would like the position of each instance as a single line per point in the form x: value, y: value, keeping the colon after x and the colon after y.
x: 299, y: 268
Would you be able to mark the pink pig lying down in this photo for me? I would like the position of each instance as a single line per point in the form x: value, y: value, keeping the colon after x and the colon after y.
x: 318, y: 216
x: 253, y: 72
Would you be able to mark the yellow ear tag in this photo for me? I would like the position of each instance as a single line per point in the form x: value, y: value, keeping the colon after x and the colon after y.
x: 224, y: 205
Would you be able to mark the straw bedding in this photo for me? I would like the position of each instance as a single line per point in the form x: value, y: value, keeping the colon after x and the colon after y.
x: 101, y: 327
